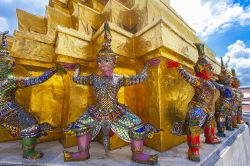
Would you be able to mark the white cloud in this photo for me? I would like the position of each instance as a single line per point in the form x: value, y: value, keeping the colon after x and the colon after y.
x: 240, y: 60
x: 36, y: 7
x: 213, y: 16
x: 8, y: 11
x: 4, y: 24
x: 245, y: 17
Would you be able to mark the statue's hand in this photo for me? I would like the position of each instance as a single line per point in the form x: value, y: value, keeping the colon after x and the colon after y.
x: 154, y: 62
x: 60, y: 68
x: 173, y: 64
x: 70, y: 66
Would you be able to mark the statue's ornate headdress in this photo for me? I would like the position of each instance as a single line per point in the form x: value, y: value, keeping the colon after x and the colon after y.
x: 236, y: 81
x: 4, y: 46
x: 225, y: 75
x: 106, y: 44
x: 202, y: 64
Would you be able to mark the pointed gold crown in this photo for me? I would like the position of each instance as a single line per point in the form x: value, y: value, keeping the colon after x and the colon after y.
x: 236, y: 81
x: 233, y: 73
x: 225, y: 74
x: 4, y: 46
x: 201, y: 62
x: 106, y: 44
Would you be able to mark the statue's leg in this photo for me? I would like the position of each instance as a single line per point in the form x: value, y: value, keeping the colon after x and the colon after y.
x: 195, y: 120
x: 193, y: 141
x: 137, y: 135
x: 229, y: 122
x: 239, y: 116
x: 85, y: 128
x: 138, y: 156
x: 18, y: 127
x: 130, y: 128
x: 21, y: 123
x: 210, y: 134
x: 220, y: 120
x: 83, y: 149
x: 29, y: 137
x: 234, y: 119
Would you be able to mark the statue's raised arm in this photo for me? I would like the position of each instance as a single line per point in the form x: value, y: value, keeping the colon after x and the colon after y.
x: 30, y: 81
x: 84, y: 80
x: 137, y: 79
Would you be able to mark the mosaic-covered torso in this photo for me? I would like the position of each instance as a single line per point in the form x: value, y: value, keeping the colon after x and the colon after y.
x: 204, y: 90
x: 204, y: 93
x: 106, y: 90
x: 225, y: 102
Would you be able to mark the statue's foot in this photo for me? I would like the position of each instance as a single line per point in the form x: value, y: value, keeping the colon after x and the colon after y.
x: 193, y: 154
x: 240, y: 122
x: 235, y: 126
x: 76, y: 156
x: 143, y: 158
x: 230, y: 128
x: 212, y: 140
x: 35, y: 156
x: 221, y: 134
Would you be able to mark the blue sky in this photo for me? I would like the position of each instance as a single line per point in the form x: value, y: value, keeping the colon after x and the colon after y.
x: 8, y: 19
x: 224, y: 25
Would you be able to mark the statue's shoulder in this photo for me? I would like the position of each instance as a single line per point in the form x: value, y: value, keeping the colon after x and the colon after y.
x: 118, y: 76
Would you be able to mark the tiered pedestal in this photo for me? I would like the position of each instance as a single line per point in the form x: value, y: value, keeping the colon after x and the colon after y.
x: 234, y: 150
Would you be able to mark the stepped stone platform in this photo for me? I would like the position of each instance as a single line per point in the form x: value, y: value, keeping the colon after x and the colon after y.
x: 234, y: 150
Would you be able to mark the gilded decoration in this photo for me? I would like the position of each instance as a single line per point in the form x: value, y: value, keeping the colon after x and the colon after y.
x: 72, y: 32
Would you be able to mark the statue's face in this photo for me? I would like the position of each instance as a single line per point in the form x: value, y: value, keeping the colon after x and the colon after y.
x: 226, y: 80
x: 207, y: 71
x: 106, y: 64
x: 235, y: 83
x: 208, y: 68
x: 210, y: 75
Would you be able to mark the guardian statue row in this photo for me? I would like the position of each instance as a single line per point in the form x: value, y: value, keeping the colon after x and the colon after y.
x: 202, y: 116
x: 107, y: 114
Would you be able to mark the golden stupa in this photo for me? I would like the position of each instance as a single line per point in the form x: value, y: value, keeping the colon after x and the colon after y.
x: 72, y: 31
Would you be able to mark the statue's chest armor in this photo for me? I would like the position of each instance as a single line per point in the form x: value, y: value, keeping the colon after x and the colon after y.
x: 228, y: 93
x: 106, y: 86
x: 206, y: 91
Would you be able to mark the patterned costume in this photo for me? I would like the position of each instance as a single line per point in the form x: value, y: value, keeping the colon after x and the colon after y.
x: 237, y: 101
x: 13, y: 117
x: 224, y: 104
x: 122, y: 122
x: 200, y: 113
x: 108, y: 113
